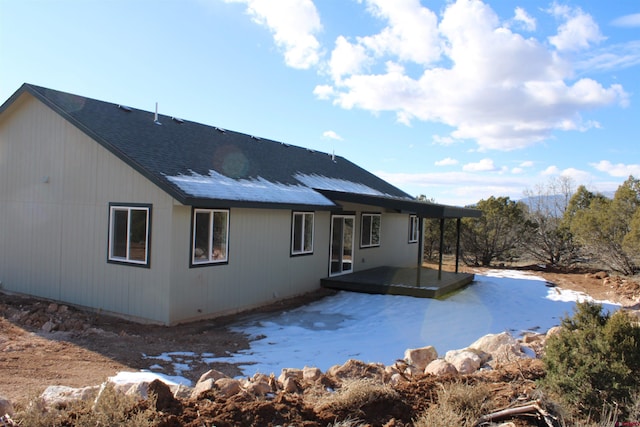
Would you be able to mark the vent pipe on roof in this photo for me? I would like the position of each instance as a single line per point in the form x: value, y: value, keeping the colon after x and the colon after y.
x: 155, y: 116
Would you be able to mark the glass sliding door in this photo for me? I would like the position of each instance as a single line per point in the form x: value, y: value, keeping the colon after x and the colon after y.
x: 342, y: 237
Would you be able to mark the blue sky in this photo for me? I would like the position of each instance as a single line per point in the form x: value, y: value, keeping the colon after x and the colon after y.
x: 456, y: 100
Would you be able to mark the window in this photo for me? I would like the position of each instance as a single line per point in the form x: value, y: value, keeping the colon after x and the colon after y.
x: 210, y: 236
x: 370, y: 230
x: 129, y: 233
x: 414, y: 229
x: 302, y: 233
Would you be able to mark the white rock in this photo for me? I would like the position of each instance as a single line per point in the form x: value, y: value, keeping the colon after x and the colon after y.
x: 420, y: 357
x: 202, y: 386
x: 440, y: 367
x: 259, y: 388
x: 57, y: 395
x: 311, y: 373
x: 290, y: 385
x: 501, y: 347
x: 228, y: 386
x: 212, y: 374
x: 290, y: 373
x: 553, y: 331
x: 465, y: 361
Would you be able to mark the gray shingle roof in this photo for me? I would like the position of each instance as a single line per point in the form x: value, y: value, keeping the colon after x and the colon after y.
x: 206, y: 166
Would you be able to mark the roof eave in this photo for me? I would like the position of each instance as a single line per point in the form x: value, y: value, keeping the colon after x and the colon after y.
x: 253, y: 204
x: 423, y: 209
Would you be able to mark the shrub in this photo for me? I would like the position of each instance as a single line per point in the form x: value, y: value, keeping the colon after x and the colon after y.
x: 459, y: 404
x: 594, y: 360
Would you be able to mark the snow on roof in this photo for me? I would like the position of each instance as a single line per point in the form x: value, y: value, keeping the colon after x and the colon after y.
x: 218, y: 186
x: 335, y: 184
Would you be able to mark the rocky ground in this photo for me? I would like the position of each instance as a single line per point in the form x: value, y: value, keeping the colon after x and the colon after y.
x: 43, y: 343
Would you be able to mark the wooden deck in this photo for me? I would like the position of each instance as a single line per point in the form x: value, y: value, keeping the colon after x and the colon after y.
x: 422, y: 283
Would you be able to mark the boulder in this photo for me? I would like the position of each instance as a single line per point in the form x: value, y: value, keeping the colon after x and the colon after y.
x: 202, y: 386
x: 290, y: 385
x: 6, y: 407
x: 164, y: 399
x: 228, y: 386
x: 440, y: 367
x: 56, y: 396
x: 465, y: 361
x: 553, y: 331
x: 311, y: 373
x: 419, y: 358
x: 290, y: 373
x: 212, y: 374
x: 259, y: 386
x: 500, y: 348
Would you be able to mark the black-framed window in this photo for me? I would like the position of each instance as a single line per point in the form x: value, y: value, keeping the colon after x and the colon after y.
x: 129, y: 234
x: 302, y: 233
x: 370, y: 230
x: 414, y: 229
x: 210, y: 236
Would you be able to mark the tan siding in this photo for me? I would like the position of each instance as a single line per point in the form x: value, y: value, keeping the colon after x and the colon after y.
x: 394, y: 250
x: 59, y: 228
x: 260, y: 268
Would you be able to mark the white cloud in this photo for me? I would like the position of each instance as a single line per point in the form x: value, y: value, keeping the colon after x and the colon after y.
x: 463, y: 68
x: 550, y: 170
x: 526, y: 164
x: 618, y: 56
x: 501, y: 90
x: 629, y: 21
x: 522, y: 18
x: 443, y: 140
x: 331, y: 135
x: 446, y: 162
x: 576, y: 175
x: 618, y: 170
x: 347, y: 58
x: 578, y: 31
x: 411, y: 34
x: 483, y: 165
x: 293, y: 24
x: 323, y: 91
x: 458, y: 188
x: 517, y: 171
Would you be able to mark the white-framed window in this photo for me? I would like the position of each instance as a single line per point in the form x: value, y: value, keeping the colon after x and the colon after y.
x: 370, y: 230
x: 129, y: 234
x: 302, y: 233
x: 210, y: 236
x: 414, y: 228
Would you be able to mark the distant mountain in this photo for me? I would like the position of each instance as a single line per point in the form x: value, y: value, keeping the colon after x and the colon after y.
x: 554, y: 204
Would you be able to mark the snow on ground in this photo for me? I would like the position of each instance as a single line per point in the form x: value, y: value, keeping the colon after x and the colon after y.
x: 378, y: 328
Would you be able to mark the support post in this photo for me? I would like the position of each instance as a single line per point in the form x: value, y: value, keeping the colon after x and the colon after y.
x: 458, y: 222
x: 420, y: 249
x: 441, y: 248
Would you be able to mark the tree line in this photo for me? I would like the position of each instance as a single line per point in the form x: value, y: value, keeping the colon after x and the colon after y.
x: 555, y: 224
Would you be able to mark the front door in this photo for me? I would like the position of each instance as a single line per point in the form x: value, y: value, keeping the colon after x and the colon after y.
x: 341, y: 257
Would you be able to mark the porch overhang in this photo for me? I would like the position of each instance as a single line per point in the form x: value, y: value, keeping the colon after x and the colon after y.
x: 420, y: 208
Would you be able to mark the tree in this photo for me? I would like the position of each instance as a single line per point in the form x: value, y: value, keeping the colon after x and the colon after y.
x: 432, y: 237
x: 594, y: 360
x: 551, y: 240
x: 498, y: 234
x: 604, y: 228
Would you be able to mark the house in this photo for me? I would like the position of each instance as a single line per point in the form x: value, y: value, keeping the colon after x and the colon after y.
x: 165, y: 220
